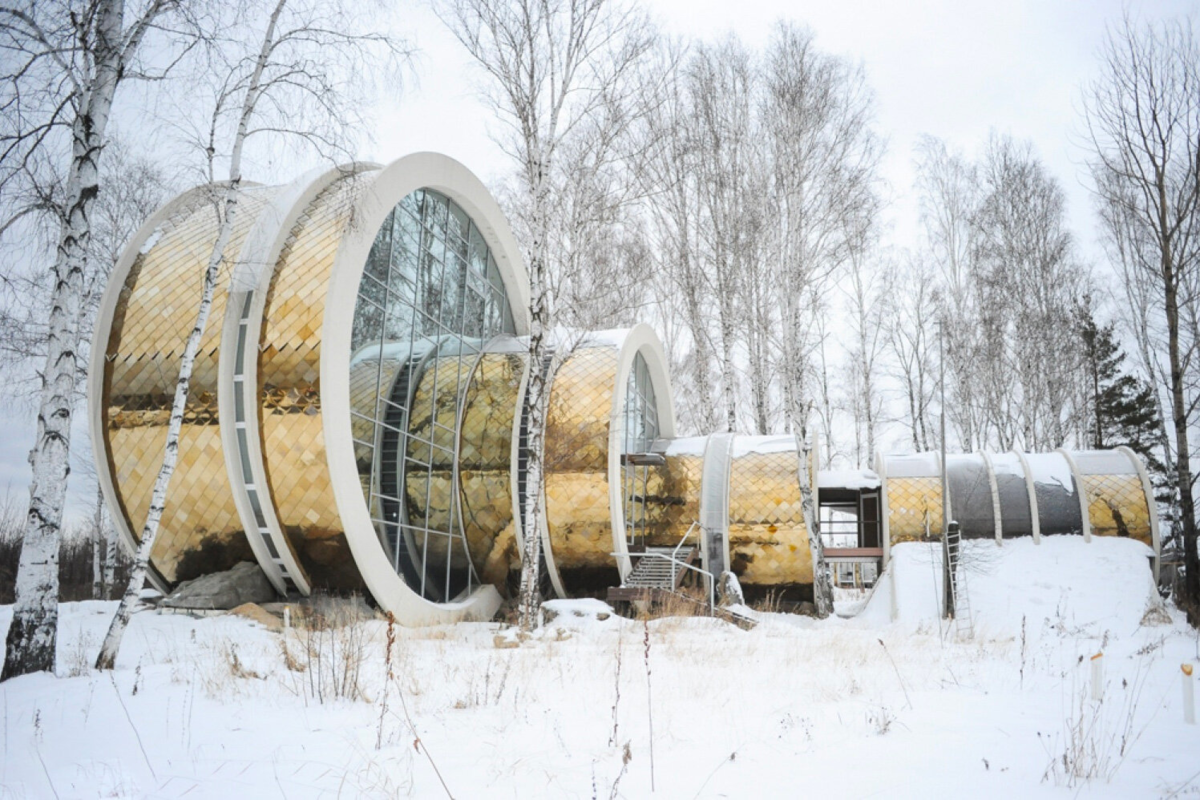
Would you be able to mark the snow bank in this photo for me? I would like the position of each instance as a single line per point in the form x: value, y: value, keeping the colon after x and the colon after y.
x: 151, y: 241
x: 1007, y: 464
x: 1065, y: 581
x: 913, y: 465
x: 581, y: 613
x: 220, y: 707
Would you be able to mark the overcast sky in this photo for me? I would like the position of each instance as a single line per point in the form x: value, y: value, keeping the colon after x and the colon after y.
x: 953, y: 69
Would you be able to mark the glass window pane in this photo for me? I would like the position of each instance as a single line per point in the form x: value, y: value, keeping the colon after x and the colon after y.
x: 477, y: 251
x: 430, y: 296
x: 434, y: 213
x: 458, y: 224
x: 377, y: 259
x: 412, y: 203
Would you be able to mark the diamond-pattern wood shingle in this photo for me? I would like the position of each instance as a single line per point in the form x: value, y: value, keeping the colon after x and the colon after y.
x: 200, y: 529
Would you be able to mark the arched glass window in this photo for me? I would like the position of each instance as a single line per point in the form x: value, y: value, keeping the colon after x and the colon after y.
x: 430, y: 298
x: 640, y: 420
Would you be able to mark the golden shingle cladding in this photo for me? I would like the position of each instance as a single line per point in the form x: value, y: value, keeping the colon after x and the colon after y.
x: 200, y: 529
x: 289, y: 381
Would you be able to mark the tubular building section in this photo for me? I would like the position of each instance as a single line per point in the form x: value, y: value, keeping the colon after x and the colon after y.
x: 357, y: 419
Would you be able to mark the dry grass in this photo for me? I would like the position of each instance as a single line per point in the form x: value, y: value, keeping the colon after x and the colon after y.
x: 770, y: 604
x: 326, y: 650
x: 685, y: 602
x: 1097, y: 735
x: 79, y: 656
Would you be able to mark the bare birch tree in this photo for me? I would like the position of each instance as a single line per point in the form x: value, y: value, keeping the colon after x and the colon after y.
x: 1027, y: 280
x: 129, y: 189
x: 911, y: 339
x: 304, y: 64
x: 867, y: 293
x: 547, y: 64
x: 949, y: 196
x: 818, y: 113
x: 722, y: 84
x: 996, y: 230
x: 66, y: 61
x: 676, y: 224
x: 1143, y: 121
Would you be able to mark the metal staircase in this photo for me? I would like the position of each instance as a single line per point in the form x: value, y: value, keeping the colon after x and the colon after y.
x: 658, y: 573
x: 657, y: 569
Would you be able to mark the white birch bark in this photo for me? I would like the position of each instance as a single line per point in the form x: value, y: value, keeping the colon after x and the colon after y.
x: 30, y: 643
x: 822, y: 588
x: 549, y: 65
x: 229, y: 210
x: 99, y: 550
x: 111, y: 554
x: 798, y: 413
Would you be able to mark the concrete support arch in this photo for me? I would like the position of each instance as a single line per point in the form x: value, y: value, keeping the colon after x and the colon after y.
x: 999, y: 516
x: 1080, y: 492
x: 1033, y: 503
x: 238, y: 376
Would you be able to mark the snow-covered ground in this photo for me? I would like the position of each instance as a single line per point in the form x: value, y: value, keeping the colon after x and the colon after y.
x: 217, y: 707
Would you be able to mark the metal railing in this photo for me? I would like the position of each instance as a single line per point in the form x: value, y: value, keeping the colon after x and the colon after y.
x: 679, y: 564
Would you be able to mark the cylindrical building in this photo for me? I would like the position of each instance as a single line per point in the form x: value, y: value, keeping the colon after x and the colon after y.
x: 352, y: 412
x: 357, y: 419
x: 1006, y: 495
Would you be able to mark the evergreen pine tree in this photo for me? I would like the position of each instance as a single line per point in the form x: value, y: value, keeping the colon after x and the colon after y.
x: 1122, y: 407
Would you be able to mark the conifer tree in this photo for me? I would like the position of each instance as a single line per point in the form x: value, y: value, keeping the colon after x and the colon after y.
x: 1121, y: 410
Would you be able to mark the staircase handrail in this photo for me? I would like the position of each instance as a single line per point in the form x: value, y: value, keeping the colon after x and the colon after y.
x: 680, y: 564
x: 686, y: 534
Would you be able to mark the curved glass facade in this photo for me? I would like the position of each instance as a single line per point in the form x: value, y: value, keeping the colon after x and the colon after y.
x: 430, y: 299
x: 640, y: 421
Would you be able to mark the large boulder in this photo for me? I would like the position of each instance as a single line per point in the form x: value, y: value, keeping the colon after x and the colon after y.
x: 221, y: 591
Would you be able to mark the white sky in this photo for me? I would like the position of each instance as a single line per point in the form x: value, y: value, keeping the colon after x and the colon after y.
x: 955, y: 70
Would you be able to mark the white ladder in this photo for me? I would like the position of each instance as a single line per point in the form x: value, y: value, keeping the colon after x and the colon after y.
x: 957, y: 575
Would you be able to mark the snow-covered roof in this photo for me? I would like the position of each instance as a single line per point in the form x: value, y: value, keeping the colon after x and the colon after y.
x: 848, y: 479
x: 687, y: 446
x: 755, y: 445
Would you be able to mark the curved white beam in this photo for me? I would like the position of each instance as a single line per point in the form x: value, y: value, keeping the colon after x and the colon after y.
x: 885, y: 528
x: 1151, y: 505
x: 640, y: 339
x: 1081, y: 491
x: 998, y: 518
x: 1033, y: 503
x: 237, y: 375
x: 714, y: 499
x: 390, y: 185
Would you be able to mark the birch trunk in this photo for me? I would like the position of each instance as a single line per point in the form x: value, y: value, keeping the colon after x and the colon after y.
x: 822, y: 589
x: 797, y: 409
x: 98, y: 548
x: 30, y: 644
x: 729, y: 374
x: 158, y: 500
x: 530, y: 595
x: 141, y: 563
x: 1180, y: 418
x: 111, y: 553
